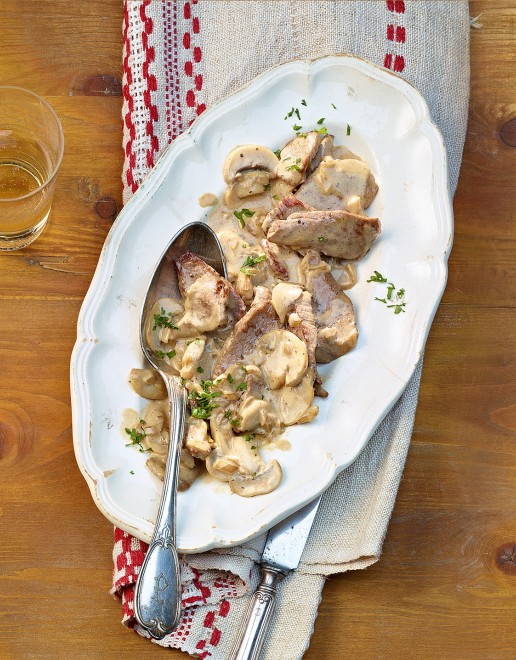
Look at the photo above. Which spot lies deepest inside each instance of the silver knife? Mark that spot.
(282, 553)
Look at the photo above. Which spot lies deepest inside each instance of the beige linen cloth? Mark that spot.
(179, 58)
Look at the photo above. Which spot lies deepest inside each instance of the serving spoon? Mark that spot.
(157, 601)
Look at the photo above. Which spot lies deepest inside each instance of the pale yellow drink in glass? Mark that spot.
(31, 148)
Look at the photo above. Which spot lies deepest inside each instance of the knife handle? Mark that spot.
(251, 634)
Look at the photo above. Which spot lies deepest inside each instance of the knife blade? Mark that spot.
(282, 553)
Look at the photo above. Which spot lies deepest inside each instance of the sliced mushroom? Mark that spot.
(309, 415)
(284, 295)
(244, 287)
(163, 313)
(248, 157)
(258, 483)
(196, 438)
(188, 470)
(219, 466)
(156, 465)
(158, 442)
(345, 274)
(255, 412)
(148, 384)
(282, 357)
(346, 179)
(293, 402)
(156, 417)
(191, 357)
(280, 189)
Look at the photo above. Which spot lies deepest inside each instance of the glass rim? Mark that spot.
(55, 169)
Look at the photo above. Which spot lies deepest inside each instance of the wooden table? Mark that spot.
(445, 586)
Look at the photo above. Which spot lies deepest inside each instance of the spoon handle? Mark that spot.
(157, 600)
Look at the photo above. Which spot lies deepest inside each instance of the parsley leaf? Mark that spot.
(377, 277)
(162, 320)
(250, 262)
(161, 354)
(240, 216)
(136, 439)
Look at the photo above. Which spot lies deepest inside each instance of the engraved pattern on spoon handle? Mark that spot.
(157, 602)
(252, 631)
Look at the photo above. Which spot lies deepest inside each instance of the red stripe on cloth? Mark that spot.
(396, 36)
(151, 84)
(130, 104)
(191, 94)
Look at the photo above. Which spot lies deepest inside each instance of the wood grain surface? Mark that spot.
(445, 585)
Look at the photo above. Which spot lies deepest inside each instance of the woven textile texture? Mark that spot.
(179, 58)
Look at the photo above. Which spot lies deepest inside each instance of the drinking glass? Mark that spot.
(31, 149)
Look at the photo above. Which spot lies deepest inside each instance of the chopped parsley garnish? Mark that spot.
(234, 422)
(131, 472)
(377, 277)
(266, 187)
(275, 197)
(334, 106)
(240, 216)
(303, 102)
(162, 320)
(321, 121)
(277, 153)
(395, 298)
(322, 131)
(297, 127)
(249, 437)
(200, 370)
(320, 238)
(201, 402)
(250, 262)
(136, 439)
(161, 354)
(295, 166)
(290, 113)
(348, 130)
(230, 379)
(241, 387)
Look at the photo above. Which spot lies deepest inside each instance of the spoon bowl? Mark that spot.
(157, 601)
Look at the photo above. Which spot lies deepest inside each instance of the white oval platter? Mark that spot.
(391, 129)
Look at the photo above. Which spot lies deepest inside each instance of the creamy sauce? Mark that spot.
(344, 178)
(270, 384)
(207, 199)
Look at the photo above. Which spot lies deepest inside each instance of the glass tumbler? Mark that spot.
(31, 149)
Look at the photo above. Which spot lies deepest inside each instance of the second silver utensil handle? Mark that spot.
(259, 613)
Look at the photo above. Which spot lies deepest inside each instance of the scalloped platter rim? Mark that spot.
(390, 127)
